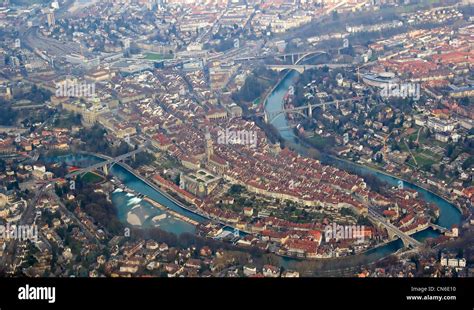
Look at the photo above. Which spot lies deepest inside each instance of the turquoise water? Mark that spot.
(141, 187)
(274, 103)
(449, 214)
(145, 212)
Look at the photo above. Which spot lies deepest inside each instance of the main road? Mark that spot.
(7, 262)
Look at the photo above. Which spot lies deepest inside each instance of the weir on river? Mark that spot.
(126, 202)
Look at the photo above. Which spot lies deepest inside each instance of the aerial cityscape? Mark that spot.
(237, 138)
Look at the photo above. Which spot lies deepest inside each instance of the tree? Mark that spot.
(450, 150)
(236, 189)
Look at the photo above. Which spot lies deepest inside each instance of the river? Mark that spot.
(449, 214)
(135, 211)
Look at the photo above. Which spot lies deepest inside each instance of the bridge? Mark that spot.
(286, 127)
(271, 116)
(392, 229)
(439, 228)
(299, 56)
(106, 164)
(195, 211)
(302, 68)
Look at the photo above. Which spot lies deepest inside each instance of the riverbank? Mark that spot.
(171, 212)
(162, 192)
(140, 184)
(450, 213)
(420, 185)
(275, 103)
(270, 91)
